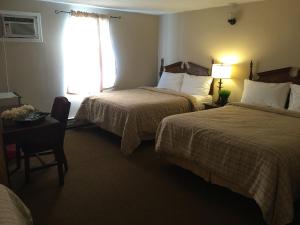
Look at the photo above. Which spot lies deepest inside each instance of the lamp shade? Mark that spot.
(221, 71)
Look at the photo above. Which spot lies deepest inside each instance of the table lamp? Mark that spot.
(221, 71)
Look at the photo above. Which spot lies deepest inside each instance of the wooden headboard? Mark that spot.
(297, 79)
(189, 68)
(282, 75)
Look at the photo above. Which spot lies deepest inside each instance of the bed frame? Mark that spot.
(282, 75)
(272, 76)
(189, 68)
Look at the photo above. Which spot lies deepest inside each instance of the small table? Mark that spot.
(211, 105)
(17, 133)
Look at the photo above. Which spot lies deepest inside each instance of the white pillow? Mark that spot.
(196, 85)
(295, 98)
(171, 81)
(265, 94)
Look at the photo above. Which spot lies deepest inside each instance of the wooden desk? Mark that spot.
(16, 133)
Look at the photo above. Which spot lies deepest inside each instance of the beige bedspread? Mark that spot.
(257, 149)
(134, 114)
(12, 209)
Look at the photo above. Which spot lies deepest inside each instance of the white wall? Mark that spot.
(267, 32)
(35, 70)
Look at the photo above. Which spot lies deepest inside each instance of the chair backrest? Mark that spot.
(60, 111)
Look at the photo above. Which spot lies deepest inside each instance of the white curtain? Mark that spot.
(89, 60)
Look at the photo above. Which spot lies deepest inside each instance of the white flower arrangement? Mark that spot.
(17, 112)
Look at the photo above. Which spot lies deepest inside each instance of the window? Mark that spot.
(89, 61)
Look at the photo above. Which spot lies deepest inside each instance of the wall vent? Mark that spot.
(21, 26)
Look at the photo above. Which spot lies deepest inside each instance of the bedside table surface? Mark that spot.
(211, 105)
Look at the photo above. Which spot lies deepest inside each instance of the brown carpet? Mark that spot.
(104, 187)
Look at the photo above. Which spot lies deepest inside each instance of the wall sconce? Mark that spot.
(233, 14)
(232, 20)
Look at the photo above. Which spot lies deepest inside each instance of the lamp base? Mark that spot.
(220, 88)
(220, 84)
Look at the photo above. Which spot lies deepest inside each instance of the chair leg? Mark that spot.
(60, 174)
(27, 167)
(65, 162)
(60, 159)
(18, 156)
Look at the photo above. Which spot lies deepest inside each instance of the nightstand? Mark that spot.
(211, 105)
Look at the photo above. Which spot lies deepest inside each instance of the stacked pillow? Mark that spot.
(295, 98)
(196, 85)
(182, 82)
(271, 94)
(171, 81)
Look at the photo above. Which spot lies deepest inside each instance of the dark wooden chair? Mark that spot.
(49, 141)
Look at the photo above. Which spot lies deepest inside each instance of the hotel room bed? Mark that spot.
(252, 150)
(12, 209)
(135, 114)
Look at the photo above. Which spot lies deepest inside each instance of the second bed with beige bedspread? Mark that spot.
(257, 149)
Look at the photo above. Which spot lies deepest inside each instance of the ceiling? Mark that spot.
(155, 7)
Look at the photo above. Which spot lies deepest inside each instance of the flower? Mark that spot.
(17, 112)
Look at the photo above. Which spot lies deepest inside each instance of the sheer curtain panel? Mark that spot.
(89, 60)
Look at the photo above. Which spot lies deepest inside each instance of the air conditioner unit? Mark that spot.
(21, 26)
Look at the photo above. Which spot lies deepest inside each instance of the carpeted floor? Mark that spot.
(104, 187)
